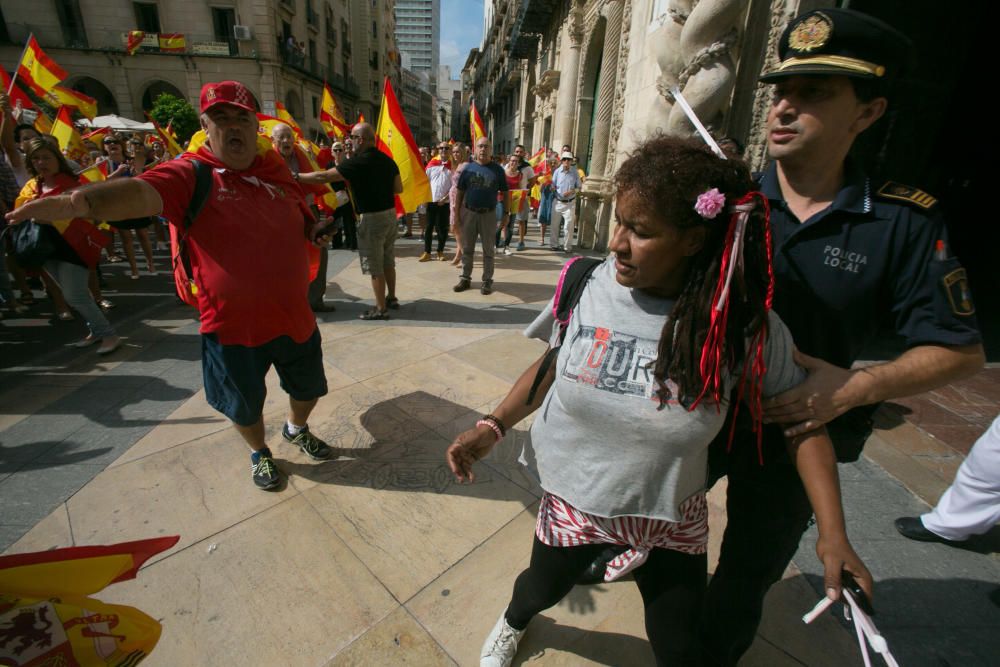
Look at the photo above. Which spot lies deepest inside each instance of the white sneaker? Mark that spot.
(501, 645)
(508, 251)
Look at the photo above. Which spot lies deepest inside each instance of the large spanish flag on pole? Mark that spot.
(330, 116)
(40, 72)
(475, 124)
(393, 137)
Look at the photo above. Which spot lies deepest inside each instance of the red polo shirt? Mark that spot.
(247, 252)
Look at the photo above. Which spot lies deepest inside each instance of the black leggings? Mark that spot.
(437, 218)
(672, 585)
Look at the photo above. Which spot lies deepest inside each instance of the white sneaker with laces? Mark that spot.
(501, 645)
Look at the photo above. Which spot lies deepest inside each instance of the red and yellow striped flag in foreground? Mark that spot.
(475, 125)
(95, 173)
(393, 137)
(37, 70)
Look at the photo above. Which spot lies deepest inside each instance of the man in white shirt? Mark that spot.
(566, 182)
(438, 171)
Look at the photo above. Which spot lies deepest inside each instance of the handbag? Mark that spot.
(31, 243)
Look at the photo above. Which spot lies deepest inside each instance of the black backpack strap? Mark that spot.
(572, 282)
(202, 188)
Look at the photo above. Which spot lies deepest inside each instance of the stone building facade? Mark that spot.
(348, 44)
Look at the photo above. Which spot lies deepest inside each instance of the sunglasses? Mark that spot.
(338, 150)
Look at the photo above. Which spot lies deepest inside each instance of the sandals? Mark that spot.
(374, 314)
(392, 302)
(106, 304)
(27, 299)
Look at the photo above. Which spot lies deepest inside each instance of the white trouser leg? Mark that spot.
(971, 505)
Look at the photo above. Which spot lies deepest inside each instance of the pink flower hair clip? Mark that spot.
(710, 203)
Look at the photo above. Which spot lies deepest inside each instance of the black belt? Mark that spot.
(565, 201)
(481, 210)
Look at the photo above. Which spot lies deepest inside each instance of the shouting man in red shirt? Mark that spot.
(247, 250)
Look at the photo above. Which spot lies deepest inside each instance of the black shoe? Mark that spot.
(310, 445)
(487, 287)
(594, 574)
(911, 527)
(462, 285)
(392, 302)
(323, 307)
(265, 474)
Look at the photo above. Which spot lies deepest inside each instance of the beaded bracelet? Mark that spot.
(499, 424)
(494, 427)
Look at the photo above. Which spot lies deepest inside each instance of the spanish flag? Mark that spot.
(475, 124)
(16, 94)
(537, 161)
(330, 116)
(135, 38)
(64, 132)
(393, 138)
(286, 118)
(40, 72)
(42, 123)
(97, 136)
(172, 42)
(169, 143)
(95, 173)
(60, 96)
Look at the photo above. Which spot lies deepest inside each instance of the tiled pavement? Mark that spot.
(377, 557)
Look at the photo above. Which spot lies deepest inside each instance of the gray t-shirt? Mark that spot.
(598, 440)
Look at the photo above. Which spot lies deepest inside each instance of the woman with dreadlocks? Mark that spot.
(673, 320)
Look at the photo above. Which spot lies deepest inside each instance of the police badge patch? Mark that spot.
(956, 286)
(812, 33)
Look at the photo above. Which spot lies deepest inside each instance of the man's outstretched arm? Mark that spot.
(119, 199)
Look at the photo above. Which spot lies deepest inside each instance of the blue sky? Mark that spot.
(461, 30)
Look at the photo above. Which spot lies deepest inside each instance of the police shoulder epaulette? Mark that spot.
(900, 192)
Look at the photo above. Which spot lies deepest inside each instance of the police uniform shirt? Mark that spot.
(870, 262)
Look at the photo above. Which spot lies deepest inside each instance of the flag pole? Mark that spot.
(13, 78)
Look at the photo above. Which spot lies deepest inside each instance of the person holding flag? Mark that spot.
(375, 181)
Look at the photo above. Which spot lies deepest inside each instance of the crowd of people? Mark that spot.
(34, 166)
(715, 341)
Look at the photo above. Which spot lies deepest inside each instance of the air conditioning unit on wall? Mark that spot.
(242, 32)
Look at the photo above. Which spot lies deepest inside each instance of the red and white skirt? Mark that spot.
(562, 525)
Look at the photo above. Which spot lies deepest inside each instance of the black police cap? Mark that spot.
(840, 41)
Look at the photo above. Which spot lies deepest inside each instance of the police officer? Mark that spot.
(851, 256)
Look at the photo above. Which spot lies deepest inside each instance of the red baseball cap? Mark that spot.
(227, 92)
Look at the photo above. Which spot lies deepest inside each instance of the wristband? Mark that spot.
(493, 427)
(496, 421)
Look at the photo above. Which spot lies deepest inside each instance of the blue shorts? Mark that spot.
(234, 374)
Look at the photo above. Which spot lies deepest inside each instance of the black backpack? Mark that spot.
(572, 281)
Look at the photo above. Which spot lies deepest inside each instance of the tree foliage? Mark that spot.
(168, 108)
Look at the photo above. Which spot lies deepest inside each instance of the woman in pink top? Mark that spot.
(459, 158)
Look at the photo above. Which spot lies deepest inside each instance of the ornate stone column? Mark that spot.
(596, 190)
(697, 59)
(569, 75)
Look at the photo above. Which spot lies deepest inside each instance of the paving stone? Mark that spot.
(31, 494)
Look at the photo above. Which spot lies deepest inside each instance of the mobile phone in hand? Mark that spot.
(849, 583)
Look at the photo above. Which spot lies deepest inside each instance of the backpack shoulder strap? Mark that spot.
(202, 187)
(572, 281)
